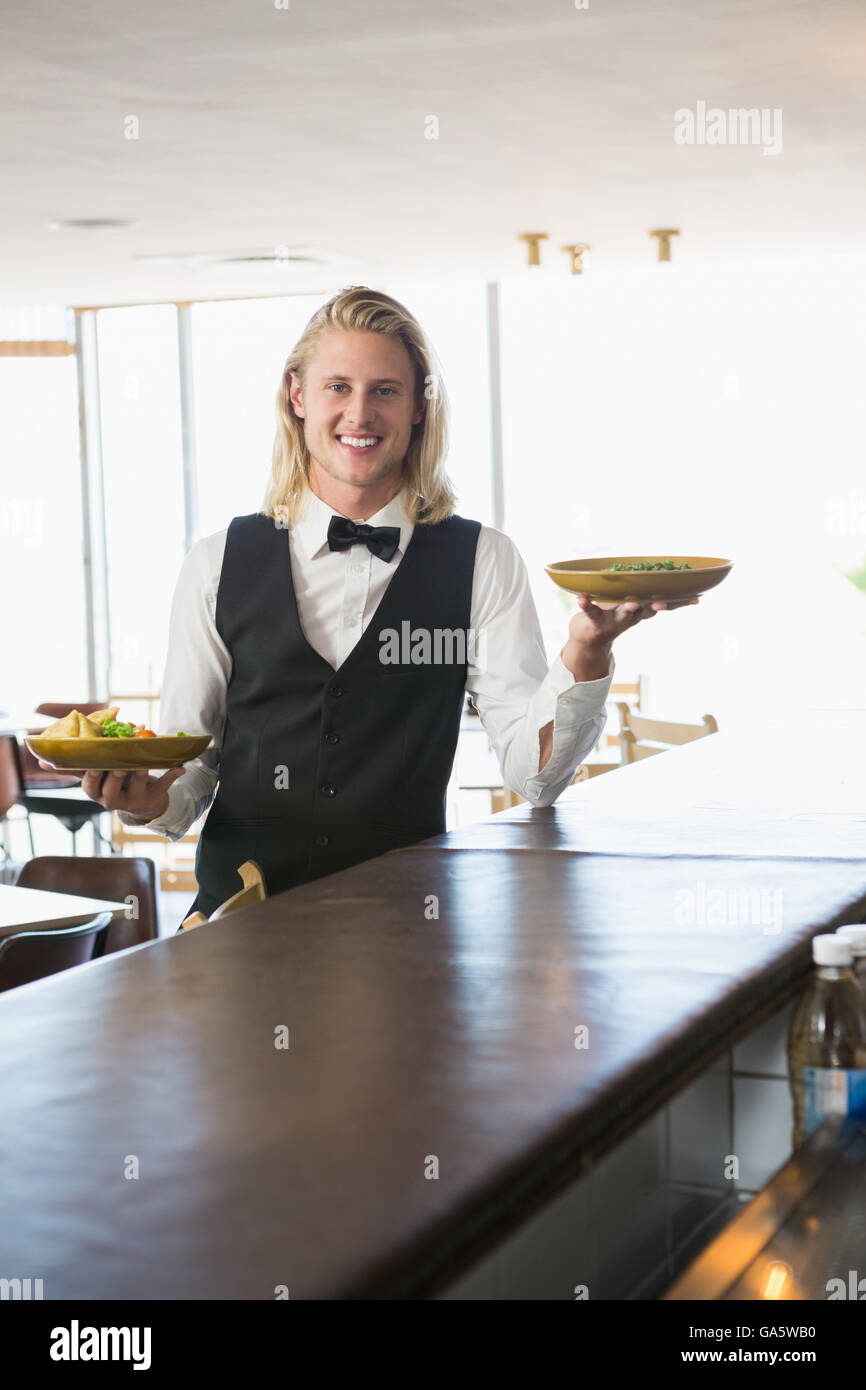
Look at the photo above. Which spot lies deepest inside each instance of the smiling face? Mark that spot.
(358, 405)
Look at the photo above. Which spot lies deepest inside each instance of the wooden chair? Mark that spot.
(637, 694)
(502, 798)
(638, 735)
(176, 873)
(588, 770)
(253, 891)
(177, 870)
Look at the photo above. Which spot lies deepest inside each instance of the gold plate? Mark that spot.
(117, 754)
(595, 578)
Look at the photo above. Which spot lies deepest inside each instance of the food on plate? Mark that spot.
(115, 728)
(102, 716)
(644, 565)
(73, 725)
(103, 723)
(81, 744)
(671, 578)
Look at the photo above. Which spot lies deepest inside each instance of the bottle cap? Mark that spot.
(856, 935)
(832, 950)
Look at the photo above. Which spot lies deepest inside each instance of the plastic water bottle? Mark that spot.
(827, 1040)
(857, 936)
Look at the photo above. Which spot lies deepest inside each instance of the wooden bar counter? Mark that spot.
(359, 1088)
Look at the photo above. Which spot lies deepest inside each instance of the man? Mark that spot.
(307, 638)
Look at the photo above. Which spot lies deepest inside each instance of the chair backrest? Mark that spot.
(637, 694)
(113, 878)
(253, 891)
(640, 737)
(60, 709)
(148, 699)
(34, 776)
(588, 770)
(10, 778)
(30, 955)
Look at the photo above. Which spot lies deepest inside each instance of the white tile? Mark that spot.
(700, 1131)
(606, 1231)
(763, 1118)
(632, 1209)
(764, 1050)
(556, 1250)
(545, 1258)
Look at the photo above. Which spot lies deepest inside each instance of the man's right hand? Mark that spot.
(137, 793)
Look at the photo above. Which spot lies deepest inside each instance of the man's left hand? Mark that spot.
(594, 629)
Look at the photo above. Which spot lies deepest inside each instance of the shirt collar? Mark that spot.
(311, 531)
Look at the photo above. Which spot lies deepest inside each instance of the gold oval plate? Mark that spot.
(595, 577)
(117, 754)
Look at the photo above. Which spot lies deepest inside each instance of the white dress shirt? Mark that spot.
(337, 594)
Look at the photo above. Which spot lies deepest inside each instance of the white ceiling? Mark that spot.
(263, 127)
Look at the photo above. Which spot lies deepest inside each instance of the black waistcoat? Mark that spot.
(321, 769)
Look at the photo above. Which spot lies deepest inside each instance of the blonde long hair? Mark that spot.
(429, 496)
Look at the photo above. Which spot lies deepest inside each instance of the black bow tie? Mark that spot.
(380, 540)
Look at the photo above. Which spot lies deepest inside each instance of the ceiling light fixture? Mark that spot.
(269, 258)
(89, 224)
(664, 235)
(533, 240)
(576, 253)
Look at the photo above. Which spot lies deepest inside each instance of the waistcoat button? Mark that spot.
(327, 789)
(332, 738)
(321, 840)
(335, 690)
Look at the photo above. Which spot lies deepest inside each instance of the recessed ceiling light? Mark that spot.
(89, 224)
(260, 258)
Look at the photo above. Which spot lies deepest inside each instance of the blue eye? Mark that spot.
(336, 383)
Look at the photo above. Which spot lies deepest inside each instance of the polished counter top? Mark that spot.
(431, 1094)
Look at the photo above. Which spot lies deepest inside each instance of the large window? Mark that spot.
(45, 649)
(143, 468)
(714, 410)
(453, 316)
(239, 351)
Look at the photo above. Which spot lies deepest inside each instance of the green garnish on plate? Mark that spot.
(115, 728)
(652, 565)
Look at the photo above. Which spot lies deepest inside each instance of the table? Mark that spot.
(428, 1002)
(33, 909)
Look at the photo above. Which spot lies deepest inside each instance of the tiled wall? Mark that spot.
(651, 1204)
(763, 1112)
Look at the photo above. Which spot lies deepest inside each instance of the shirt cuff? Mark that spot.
(571, 702)
(158, 826)
(172, 824)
